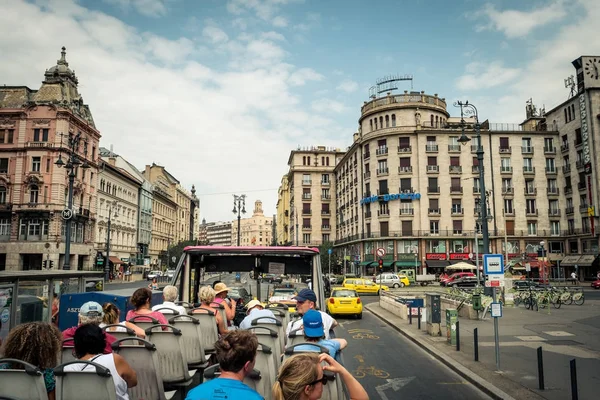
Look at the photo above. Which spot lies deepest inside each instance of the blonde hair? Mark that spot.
(170, 293)
(295, 373)
(111, 314)
(206, 294)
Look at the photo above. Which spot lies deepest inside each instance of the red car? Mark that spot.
(596, 284)
(456, 275)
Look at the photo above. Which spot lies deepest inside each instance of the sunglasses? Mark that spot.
(323, 380)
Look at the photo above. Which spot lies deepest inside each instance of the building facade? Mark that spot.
(183, 223)
(254, 231)
(282, 235)
(312, 196)
(35, 126)
(118, 202)
(217, 233)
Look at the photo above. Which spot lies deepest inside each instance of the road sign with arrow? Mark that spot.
(395, 384)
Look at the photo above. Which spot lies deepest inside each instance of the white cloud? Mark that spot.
(515, 23)
(280, 22)
(348, 86)
(327, 106)
(265, 10)
(303, 75)
(216, 35)
(274, 36)
(227, 128)
(149, 8)
(481, 76)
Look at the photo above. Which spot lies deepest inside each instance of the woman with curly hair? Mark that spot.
(207, 297)
(37, 343)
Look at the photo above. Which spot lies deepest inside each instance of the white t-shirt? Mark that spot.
(107, 361)
(122, 328)
(573, 275)
(297, 324)
(169, 304)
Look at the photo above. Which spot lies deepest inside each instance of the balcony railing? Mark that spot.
(306, 212)
(569, 210)
(306, 183)
(564, 147)
(405, 149)
(325, 212)
(407, 211)
(325, 227)
(383, 171)
(475, 169)
(368, 214)
(531, 212)
(528, 170)
(509, 213)
(455, 169)
(530, 191)
(457, 211)
(476, 190)
(506, 169)
(405, 170)
(431, 148)
(326, 197)
(367, 155)
(381, 151)
(568, 189)
(508, 190)
(434, 211)
(367, 174)
(383, 213)
(474, 148)
(554, 212)
(566, 169)
(306, 227)
(553, 191)
(306, 196)
(526, 149)
(433, 168)
(581, 186)
(549, 150)
(454, 148)
(506, 150)
(325, 183)
(433, 189)
(579, 164)
(456, 189)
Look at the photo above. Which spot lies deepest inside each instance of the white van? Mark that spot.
(390, 280)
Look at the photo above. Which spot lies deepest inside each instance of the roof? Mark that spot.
(255, 250)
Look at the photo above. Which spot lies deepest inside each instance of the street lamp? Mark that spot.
(111, 206)
(73, 162)
(239, 208)
(543, 264)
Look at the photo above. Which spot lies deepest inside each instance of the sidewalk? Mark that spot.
(571, 332)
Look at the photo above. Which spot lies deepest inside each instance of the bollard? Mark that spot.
(457, 336)
(419, 318)
(574, 394)
(476, 343)
(410, 315)
(540, 368)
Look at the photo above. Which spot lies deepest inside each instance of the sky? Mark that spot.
(220, 91)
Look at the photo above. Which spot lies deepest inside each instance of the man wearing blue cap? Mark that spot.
(306, 300)
(314, 332)
(90, 313)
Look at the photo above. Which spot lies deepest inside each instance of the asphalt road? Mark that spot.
(389, 366)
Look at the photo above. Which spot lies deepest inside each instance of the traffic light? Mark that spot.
(380, 264)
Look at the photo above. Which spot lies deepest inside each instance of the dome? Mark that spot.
(61, 70)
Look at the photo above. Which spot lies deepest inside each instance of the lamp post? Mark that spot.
(73, 162)
(239, 208)
(111, 206)
(542, 268)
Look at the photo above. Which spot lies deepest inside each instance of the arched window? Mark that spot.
(34, 192)
(387, 121)
(381, 122)
(436, 121)
(3, 192)
(432, 120)
(393, 120)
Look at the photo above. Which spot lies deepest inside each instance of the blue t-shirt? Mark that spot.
(332, 345)
(223, 388)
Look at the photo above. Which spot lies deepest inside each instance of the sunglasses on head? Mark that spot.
(323, 380)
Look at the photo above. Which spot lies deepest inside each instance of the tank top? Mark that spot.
(107, 361)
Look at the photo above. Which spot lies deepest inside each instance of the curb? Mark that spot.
(454, 365)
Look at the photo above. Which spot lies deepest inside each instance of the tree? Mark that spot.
(335, 260)
(176, 251)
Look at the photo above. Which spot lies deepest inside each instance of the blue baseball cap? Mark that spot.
(313, 324)
(306, 294)
(91, 309)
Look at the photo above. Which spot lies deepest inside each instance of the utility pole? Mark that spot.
(106, 263)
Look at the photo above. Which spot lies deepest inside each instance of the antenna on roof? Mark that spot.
(570, 84)
(388, 84)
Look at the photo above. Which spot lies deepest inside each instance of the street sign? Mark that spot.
(329, 251)
(67, 214)
(496, 309)
(380, 252)
(494, 280)
(493, 264)
(527, 267)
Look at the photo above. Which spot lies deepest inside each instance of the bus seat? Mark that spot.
(331, 391)
(193, 351)
(120, 334)
(296, 336)
(97, 385)
(167, 311)
(208, 328)
(265, 364)
(269, 337)
(144, 321)
(173, 367)
(22, 384)
(277, 325)
(185, 304)
(142, 357)
(221, 309)
(282, 313)
(66, 355)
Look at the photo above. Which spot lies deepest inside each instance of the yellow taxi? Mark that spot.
(365, 286)
(344, 302)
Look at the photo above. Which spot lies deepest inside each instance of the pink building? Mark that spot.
(34, 129)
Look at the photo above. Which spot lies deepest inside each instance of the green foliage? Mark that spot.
(336, 261)
(176, 250)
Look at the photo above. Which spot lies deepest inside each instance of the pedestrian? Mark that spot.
(574, 277)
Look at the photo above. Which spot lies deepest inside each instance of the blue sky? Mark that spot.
(219, 91)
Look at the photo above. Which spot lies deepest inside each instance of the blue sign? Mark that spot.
(393, 196)
(493, 264)
(329, 251)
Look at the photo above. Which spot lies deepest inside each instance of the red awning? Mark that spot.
(116, 260)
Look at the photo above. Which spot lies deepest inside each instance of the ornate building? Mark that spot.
(254, 231)
(282, 231)
(34, 129)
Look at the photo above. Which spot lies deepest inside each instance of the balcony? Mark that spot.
(306, 227)
(551, 171)
(307, 183)
(434, 211)
(509, 213)
(83, 212)
(433, 169)
(6, 206)
(506, 169)
(383, 213)
(433, 190)
(455, 169)
(381, 151)
(325, 212)
(568, 189)
(306, 196)
(407, 211)
(367, 155)
(367, 175)
(552, 191)
(474, 148)
(456, 189)
(549, 150)
(581, 186)
(475, 169)
(325, 183)
(326, 197)
(564, 147)
(528, 169)
(306, 212)
(569, 210)
(476, 190)
(526, 149)
(405, 190)
(506, 150)
(578, 142)
(508, 190)
(553, 212)
(530, 191)
(454, 148)
(532, 212)
(457, 211)
(383, 171)
(431, 148)
(579, 164)
(325, 227)
(404, 149)
(368, 214)
(566, 169)
(405, 170)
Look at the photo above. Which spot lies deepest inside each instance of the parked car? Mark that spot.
(271, 278)
(596, 284)
(365, 286)
(392, 280)
(344, 302)
(525, 285)
(154, 274)
(170, 273)
(465, 281)
(456, 275)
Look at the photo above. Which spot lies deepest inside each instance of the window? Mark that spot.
(504, 144)
(305, 223)
(549, 144)
(384, 229)
(578, 138)
(371, 124)
(476, 185)
(5, 227)
(393, 120)
(550, 165)
(530, 206)
(36, 163)
(306, 238)
(387, 121)
(552, 186)
(405, 163)
(2, 195)
(508, 206)
(505, 164)
(457, 226)
(33, 229)
(431, 161)
(456, 206)
(405, 185)
(33, 194)
(434, 227)
(3, 165)
(532, 228)
(383, 187)
(303, 160)
(507, 185)
(407, 228)
(305, 179)
(404, 142)
(527, 165)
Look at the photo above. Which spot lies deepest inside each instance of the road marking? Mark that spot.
(453, 383)
(359, 330)
(395, 384)
(558, 333)
(362, 370)
(530, 338)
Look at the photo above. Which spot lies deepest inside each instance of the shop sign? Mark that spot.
(436, 256)
(459, 256)
(406, 257)
(389, 197)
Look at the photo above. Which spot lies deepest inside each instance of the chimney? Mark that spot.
(111, 157)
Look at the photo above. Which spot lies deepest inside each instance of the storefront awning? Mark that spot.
(366, 263)
(570, 261)
(586, 260)
(452, 262)
(436, 264)
(116, 260)
(406, 264)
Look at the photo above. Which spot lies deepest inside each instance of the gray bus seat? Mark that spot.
(128, 334)
(265, 364)
(294, 337)
(144, 321)
(193, 350)
(334, 387)
(221, 309)
(142, 357)
(185, 304)
(282, 314)
(214, 371)
(22, 384)
(97, 385)
(209, 333)
(266, 321)
(173, 367)
(68, 347)
(269, 337)
(167, 311)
